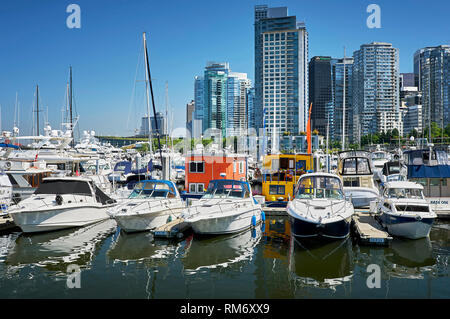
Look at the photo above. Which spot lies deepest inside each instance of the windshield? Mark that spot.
(412, 193)
(225, 188)
(152, 190)
(320, 187)
(62, 187)
(396, 177)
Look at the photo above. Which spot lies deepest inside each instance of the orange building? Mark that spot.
(202, 167)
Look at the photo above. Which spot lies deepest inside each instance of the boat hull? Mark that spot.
(407, 226)
(225, 224)
(59, 218)
(302, 228)
(146, 221)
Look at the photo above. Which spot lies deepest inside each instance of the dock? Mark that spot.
(6, 223)
(274, 211)
(367, 230)
(173, 229)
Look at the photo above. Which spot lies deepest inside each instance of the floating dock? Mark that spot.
(6, 223)
(368, 231)
(274, 211)
(173, 229)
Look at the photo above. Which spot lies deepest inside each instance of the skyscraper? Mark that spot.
(281, 71)
(236, 117)
(199, 97)
(432, 76)
(376, 88)
(190, 108)
(320, 92)
(338, 86)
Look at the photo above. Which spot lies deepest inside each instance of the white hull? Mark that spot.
(146, 221)
(412, 230)
(59, 218)
(225, 224)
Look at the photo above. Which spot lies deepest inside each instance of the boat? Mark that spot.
(404, 211)
(5, 194)
(430, 168)
(356, 170)
(280, 173)
(62, 202)
(379, 158)
(320, 209)
(151, 204)
(227, 207)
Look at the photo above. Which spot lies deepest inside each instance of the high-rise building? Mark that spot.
(432, 76)
(320, 92)
(342, 69)
(190, 108)
(199, 97)
(251, 116)
(376, 88)
(236, 117)
(281, 71)
(158, 125)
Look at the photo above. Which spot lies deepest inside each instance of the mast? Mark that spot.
(326, 152)
(37, 110)
(70, 105)
(149, 77)
(343, 107)
(167, 112)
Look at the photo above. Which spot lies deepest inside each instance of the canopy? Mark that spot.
(425, 171)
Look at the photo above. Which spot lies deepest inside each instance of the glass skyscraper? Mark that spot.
(281, 71)
(320, 93)
(432, 76)
(376, 88)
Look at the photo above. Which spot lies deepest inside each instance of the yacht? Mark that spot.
(62, 202)
(151, 204)
(319, 208)
(227, 207)
(357, 173)
(5, 193)
(404, 211)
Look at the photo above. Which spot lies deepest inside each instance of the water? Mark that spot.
(260, 263)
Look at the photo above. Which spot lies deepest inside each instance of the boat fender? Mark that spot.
(169, 219)
(418, 217)
(253, 220)
(263, 216)
(59, 199)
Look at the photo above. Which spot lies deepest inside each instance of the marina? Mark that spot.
(322, 177)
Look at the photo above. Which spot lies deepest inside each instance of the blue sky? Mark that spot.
(36, 47)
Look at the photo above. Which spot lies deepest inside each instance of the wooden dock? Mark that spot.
(368, 231)
(173, 229)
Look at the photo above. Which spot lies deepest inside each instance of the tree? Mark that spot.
(315, 132)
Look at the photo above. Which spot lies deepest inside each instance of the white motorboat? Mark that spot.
(5, 193)
(227, 207)
(356, 170)
(320, 208)
(404, 211)
(62, 202)
(151, 204)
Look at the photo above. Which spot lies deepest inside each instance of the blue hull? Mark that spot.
(303, 229)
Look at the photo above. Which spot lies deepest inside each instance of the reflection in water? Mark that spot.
(54, 250)
(141, 246)
(324, 265)
(220, 251)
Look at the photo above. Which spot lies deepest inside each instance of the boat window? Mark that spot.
(412, 208)
(363, 166)
(62, 187)
(225, 188)
(276, 189)
(349, 167)
(351, 182)
(413, 193)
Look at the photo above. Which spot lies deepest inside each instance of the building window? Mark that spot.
(197, 167)
(241, 167)
(196, 188)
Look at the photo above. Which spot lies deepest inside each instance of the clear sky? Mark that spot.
(36, 47)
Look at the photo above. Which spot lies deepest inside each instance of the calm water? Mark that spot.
(261, 263)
